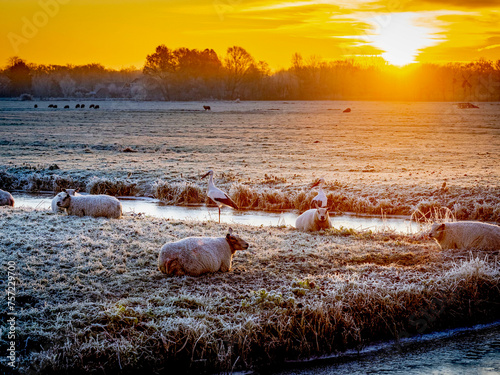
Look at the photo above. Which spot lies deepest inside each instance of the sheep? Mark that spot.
(90, 205)
(314, 220)
(198, 255)
(6, 198)
(466, 235)
(58, 197)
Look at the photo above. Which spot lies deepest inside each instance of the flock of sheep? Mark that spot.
(95, 106)
(198, 255)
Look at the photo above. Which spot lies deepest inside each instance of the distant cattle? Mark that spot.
(66, 106)
(77, 106)
(96, 106)
(82, 106)
(206, 107)
(91, 106)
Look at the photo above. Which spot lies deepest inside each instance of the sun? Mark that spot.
(401, 38)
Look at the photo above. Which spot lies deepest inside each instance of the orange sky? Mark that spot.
(121, 33)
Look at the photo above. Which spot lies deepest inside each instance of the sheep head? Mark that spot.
(322, 214)
(437, 231)
(235, 242)
(64, 199)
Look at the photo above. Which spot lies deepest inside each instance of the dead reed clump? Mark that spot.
(177, 192)
(114, 187)
(244, 196)
(431, 211)
(7, 181)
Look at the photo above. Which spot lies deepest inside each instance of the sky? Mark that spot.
(120, 34)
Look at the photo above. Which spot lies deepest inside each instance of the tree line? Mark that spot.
(192, 74)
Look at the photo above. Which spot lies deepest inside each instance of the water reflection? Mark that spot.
(455, 352)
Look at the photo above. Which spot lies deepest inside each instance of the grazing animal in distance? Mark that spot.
(66, 106)
(198, 255)
(90, 205)
(58, 197)
(466, 235)
(82, 106)
(6, 198)
(347, 110)
(217, 195)
(206, 107)
(36, 105)
(91, 106)
(54, 106)
(51, 105)
(320, 200)
(96, 106)
(314, 220)
(77, 106)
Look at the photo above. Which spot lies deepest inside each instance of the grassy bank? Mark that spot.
(90, 297)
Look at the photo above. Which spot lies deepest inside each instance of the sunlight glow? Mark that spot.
(402, 40)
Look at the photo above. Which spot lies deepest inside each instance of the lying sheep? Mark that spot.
(90, 205)
(197, 255)
(6, 198)
(55, 208)
(465, 235)
(314, 220)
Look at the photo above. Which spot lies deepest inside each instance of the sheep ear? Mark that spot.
(77, 190)
(441, 227)
(64, 190)
(315, 204)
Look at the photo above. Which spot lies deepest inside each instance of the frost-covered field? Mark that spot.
(393, 157)
(89, 296)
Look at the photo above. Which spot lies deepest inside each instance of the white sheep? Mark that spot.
(197, 255)
(6, 198)
(55, 209)
(466, 235)
(90, 205)
(314, 220)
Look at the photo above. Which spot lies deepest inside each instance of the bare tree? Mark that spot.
(237, 64)
(67, 86)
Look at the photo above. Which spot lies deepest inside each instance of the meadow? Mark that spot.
(381, 157)
(91, 299)
(89, 296)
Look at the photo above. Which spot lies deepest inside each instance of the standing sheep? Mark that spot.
(90, 205)
(6, 198)
(314, 220)
(465, 235)
(55, 208)
(197, 255)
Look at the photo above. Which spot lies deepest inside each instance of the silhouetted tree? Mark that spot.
(160, 67)
(19, 74)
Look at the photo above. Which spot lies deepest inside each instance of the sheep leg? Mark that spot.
(219, 215)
